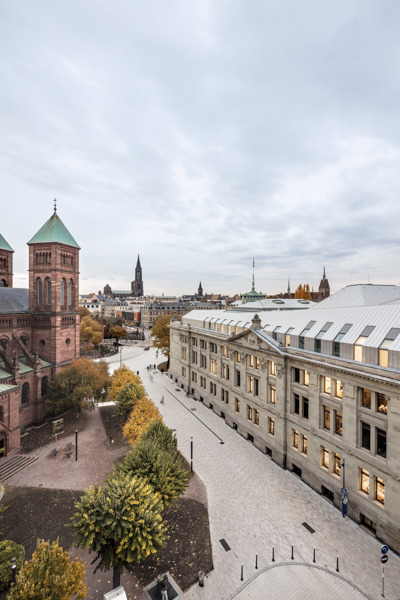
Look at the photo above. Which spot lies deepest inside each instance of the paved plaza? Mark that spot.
(255, 505)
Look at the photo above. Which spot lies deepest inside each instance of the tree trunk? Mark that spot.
(116, 577)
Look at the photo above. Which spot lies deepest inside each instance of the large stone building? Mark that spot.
(316, 390)
(136, 290)
(39, 327)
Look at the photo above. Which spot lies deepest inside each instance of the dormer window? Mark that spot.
(361, 341)
(385, 345)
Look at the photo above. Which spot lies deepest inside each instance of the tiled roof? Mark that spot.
(54, 230)
(13, 300)
(4, 245)
(5, 388)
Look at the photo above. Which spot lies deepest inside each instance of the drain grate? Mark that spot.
(177, 389)
(225, 545)
(193, 409)
(308, 527)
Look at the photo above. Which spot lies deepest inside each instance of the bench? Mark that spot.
(55, 452)
(68, 454)
(69, 446)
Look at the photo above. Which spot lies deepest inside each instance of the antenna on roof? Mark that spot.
(55, 205)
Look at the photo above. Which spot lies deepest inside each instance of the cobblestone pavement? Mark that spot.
(255, 505)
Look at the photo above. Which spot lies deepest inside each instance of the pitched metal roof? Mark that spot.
(13, 300)
(4, 245)
(5, 388)
(361, 295)
(54, 230)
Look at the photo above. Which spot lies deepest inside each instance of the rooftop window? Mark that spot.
(360, 342)
(385, 345)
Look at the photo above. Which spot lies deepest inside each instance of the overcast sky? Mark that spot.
(201, 133)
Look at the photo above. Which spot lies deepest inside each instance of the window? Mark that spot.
(306, 378)
(256, 386)
(237, 378)
(69, 293)
(364, 481)
(327, 386)
(338, 339)
(256, 417)
(360, 342)
(48, 291)
(257, 362)
(62, 292)
(325, 457)
(183, 371)
(40, 291)
(317, 345)
(295, 439)
(384, 347)
(338, 422)
(272, 394)
(238, 358)
(25, 393)
(287, 336)
(225, 371)
(272, 368)
(305, 408)
(379, 490)
(366, 436)
(336, 464)
(44, 386)
(304, 444)
(183, 353)
(296, 404)
(213, 366)
(237, 404)
(203, 361)
(249, 413)
(203, 382)
(251, 361)
(194, 357)
(194, 341)
(301, 342)
(213, 348)
(296, 375)
(308, 327)
(366, 398)
(327, 418)
(224, 396)
(213, 388)
(271, 426)
(249, 384)
(194, 377)
(381, 443)
(338, 389)
(1, 414)
(203, 345)
(336, 349)
(184, 338)
(381, 403)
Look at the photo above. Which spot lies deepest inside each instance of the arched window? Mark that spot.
(45, 386)
(1, 414)
(48, 291)
(24, 340)
(39, 292)
(70, 292)
(4, 344)
(25, 393)
(2, 283)
(62, 292)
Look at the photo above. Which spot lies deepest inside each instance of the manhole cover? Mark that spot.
(225, 545)
(308, 527)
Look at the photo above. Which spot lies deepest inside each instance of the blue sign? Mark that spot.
(344, 502)
(384, 549)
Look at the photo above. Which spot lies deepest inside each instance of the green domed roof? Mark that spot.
(54, 230)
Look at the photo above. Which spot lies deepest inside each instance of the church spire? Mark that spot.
(253, 289)
(288, 286)
(138, 265)
(324, 275)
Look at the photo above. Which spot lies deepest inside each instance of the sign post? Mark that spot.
(384, 560)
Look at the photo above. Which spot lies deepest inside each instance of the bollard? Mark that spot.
(201, 578)
(241, 574)
(13, 570)
(256, 561)
(273, 554)
(313, 556)
(292, 552)
(337, 564)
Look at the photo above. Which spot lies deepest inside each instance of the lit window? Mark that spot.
(251, 361)
(360, 342)
(238, 357)
(364, 481)
(304, 444)
(325, 457)
(338, 422)
(249, 413)
(249, 384)
(336, 464)
(366, 398)
(237, 404)
(338, 389)
(381, 403)
(257, 365)
(306, 378)
(327, 385)
(256, 417)
(327, 417)
(213, 366)
(384, 347)
(295, 439)
(272, 394)
(272, 368)
(380, 490)
(271, 426)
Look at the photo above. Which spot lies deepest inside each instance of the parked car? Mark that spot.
(147, 348)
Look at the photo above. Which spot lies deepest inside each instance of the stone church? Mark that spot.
(39, 327)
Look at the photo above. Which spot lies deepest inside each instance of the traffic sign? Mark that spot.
(384, 549)
(384, 559)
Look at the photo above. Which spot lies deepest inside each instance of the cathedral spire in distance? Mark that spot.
(137, 284)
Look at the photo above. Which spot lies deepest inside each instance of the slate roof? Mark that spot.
(13, 300)
(54, 230)
(4, 245)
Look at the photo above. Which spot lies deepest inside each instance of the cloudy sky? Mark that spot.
(202, 133)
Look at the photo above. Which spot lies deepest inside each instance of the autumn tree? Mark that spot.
(160, 335)
(78, 386)
(120, 522)
(121, 378)
(128, 397)
(299, 293)
(303, 292)
(50, 574)
(142, 414)
(84, 312)
(117, 332)
(91, 331)
(161, 468)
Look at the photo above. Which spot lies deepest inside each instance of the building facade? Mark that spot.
(317, 390)
(39, 328)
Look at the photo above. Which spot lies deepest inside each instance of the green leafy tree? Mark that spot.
(128, 397)
(50, 574)
(160, 468)
(160, 335)
(8, 551)
(120, 522)
(78, 386)
(162, 435)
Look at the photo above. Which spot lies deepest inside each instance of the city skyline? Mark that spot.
(202, 135)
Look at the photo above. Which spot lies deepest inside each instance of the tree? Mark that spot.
(160, 335)
(91, 331)
(303, 292)
(142, 414)
(50, 574)
(117, 332)
(78, 386)
(84, 312)
(162, 435)
(121, 522)
(160, 468)
(299, 293)
(122, 377)
(128, 397)
(8, 551)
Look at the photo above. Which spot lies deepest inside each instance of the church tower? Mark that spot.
(324, 289)
(137, 285)
(200, 290)
(54, 292)
(6, 263)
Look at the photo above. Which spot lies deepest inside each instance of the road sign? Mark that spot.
(384, 549)
(384, 559)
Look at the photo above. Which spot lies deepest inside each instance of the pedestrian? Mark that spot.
(162, 399)
(164, 587)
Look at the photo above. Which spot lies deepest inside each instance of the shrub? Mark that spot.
(162, 435)
(8, 551)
